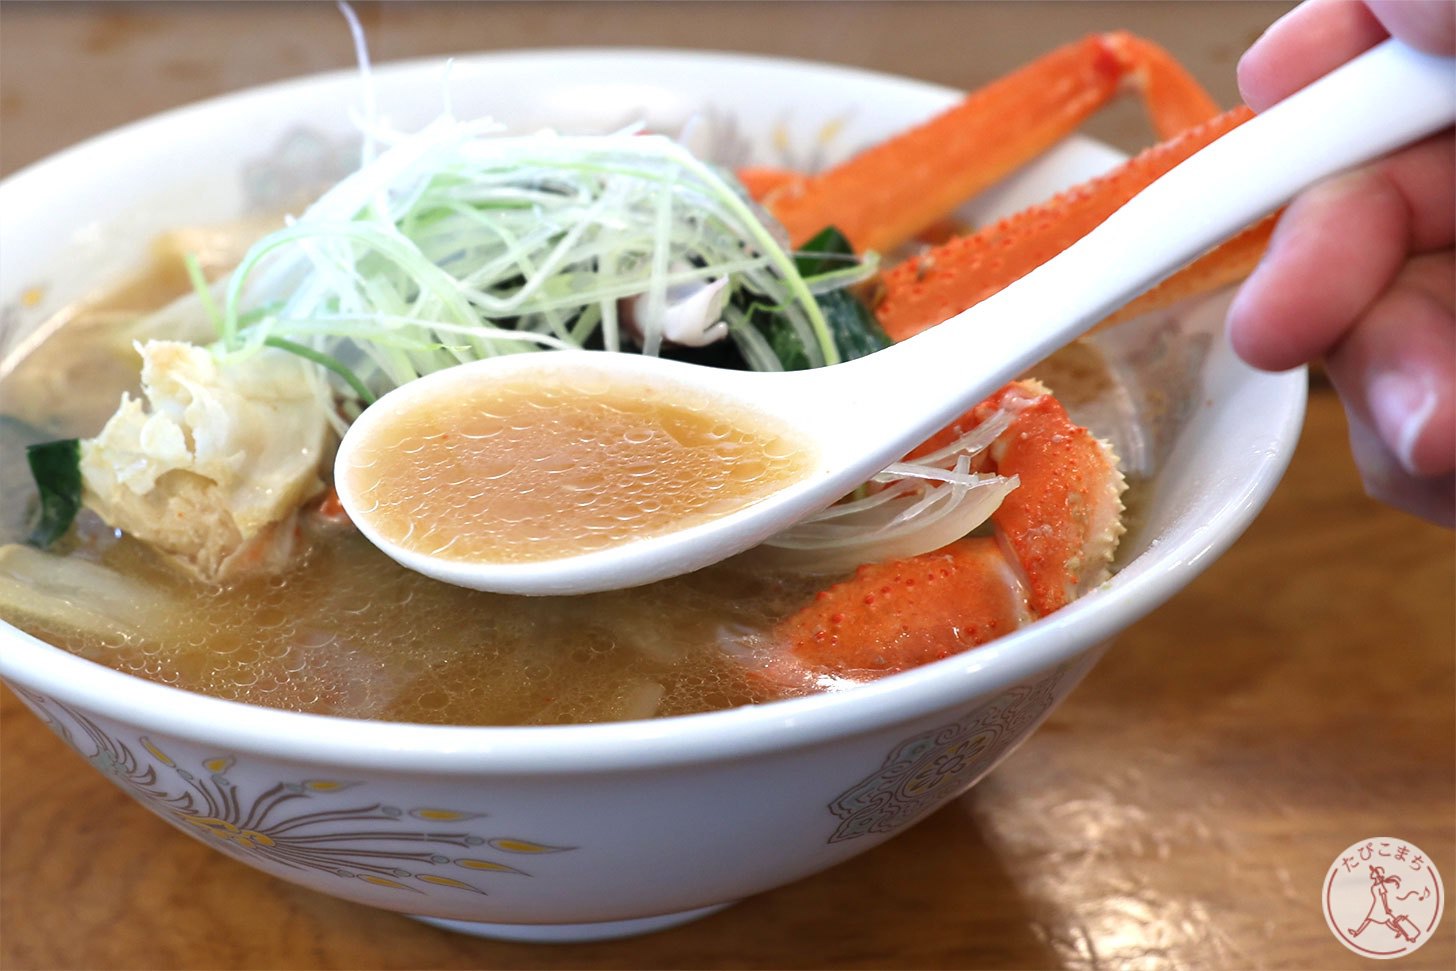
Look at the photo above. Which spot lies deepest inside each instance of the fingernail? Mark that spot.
(1402, 405)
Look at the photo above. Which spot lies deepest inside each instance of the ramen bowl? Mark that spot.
(595, 831)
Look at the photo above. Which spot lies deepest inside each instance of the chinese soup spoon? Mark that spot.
(830, 429)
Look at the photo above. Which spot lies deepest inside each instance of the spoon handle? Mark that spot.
(1387, 98)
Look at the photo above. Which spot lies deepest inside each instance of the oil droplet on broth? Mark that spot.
(539, 467)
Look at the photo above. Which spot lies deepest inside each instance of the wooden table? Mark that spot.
(1181, 810)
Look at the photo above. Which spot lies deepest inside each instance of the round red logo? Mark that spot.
(1383, 897)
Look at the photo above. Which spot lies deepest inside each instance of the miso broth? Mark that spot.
(535, 468)
(348, 632)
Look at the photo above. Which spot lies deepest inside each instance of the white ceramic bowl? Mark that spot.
(586, 831)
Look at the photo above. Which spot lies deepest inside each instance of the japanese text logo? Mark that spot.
(1383, 897)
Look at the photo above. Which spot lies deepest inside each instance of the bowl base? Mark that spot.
(604, 930)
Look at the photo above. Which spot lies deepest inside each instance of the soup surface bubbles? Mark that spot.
(538, 467)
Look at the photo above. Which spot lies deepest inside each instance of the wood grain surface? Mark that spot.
(1180, 810)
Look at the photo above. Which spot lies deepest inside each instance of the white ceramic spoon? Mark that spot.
(862, 415)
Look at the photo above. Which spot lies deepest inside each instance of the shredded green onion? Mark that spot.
(323, 360)
(204, 293)
(457, 244)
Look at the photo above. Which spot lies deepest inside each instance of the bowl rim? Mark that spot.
(463, 60)
(951, 683)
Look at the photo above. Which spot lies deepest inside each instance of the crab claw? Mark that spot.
(1055, 535)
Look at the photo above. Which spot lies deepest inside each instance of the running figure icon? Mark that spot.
(1380, 912)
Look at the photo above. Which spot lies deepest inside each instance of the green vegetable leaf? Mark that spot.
(783, 340)
(853, 328)
(56, 468)
(828, 251)
(856, 332)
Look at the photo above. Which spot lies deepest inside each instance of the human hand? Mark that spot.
(1360, 270)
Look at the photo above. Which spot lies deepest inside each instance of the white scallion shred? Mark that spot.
(911, 508)
(457, 243)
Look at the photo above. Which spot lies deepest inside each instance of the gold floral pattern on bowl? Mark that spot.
(294, 824)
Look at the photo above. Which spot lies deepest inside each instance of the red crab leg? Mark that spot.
(943, 281)
(1064, 520)
(1055, 536)
(897, 615)
(884, 196)
(762, 181)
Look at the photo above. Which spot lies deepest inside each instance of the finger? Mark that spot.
(1337, 248)
(1433, 274)
(1432, 499)
(1396, 369)
(1425, 177)
(1306, 43)
(1429, 26)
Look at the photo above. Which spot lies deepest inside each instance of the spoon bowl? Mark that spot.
(854, 419)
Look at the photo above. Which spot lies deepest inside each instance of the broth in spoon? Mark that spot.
(536, 467)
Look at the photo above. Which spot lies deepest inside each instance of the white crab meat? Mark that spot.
(213, 465)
